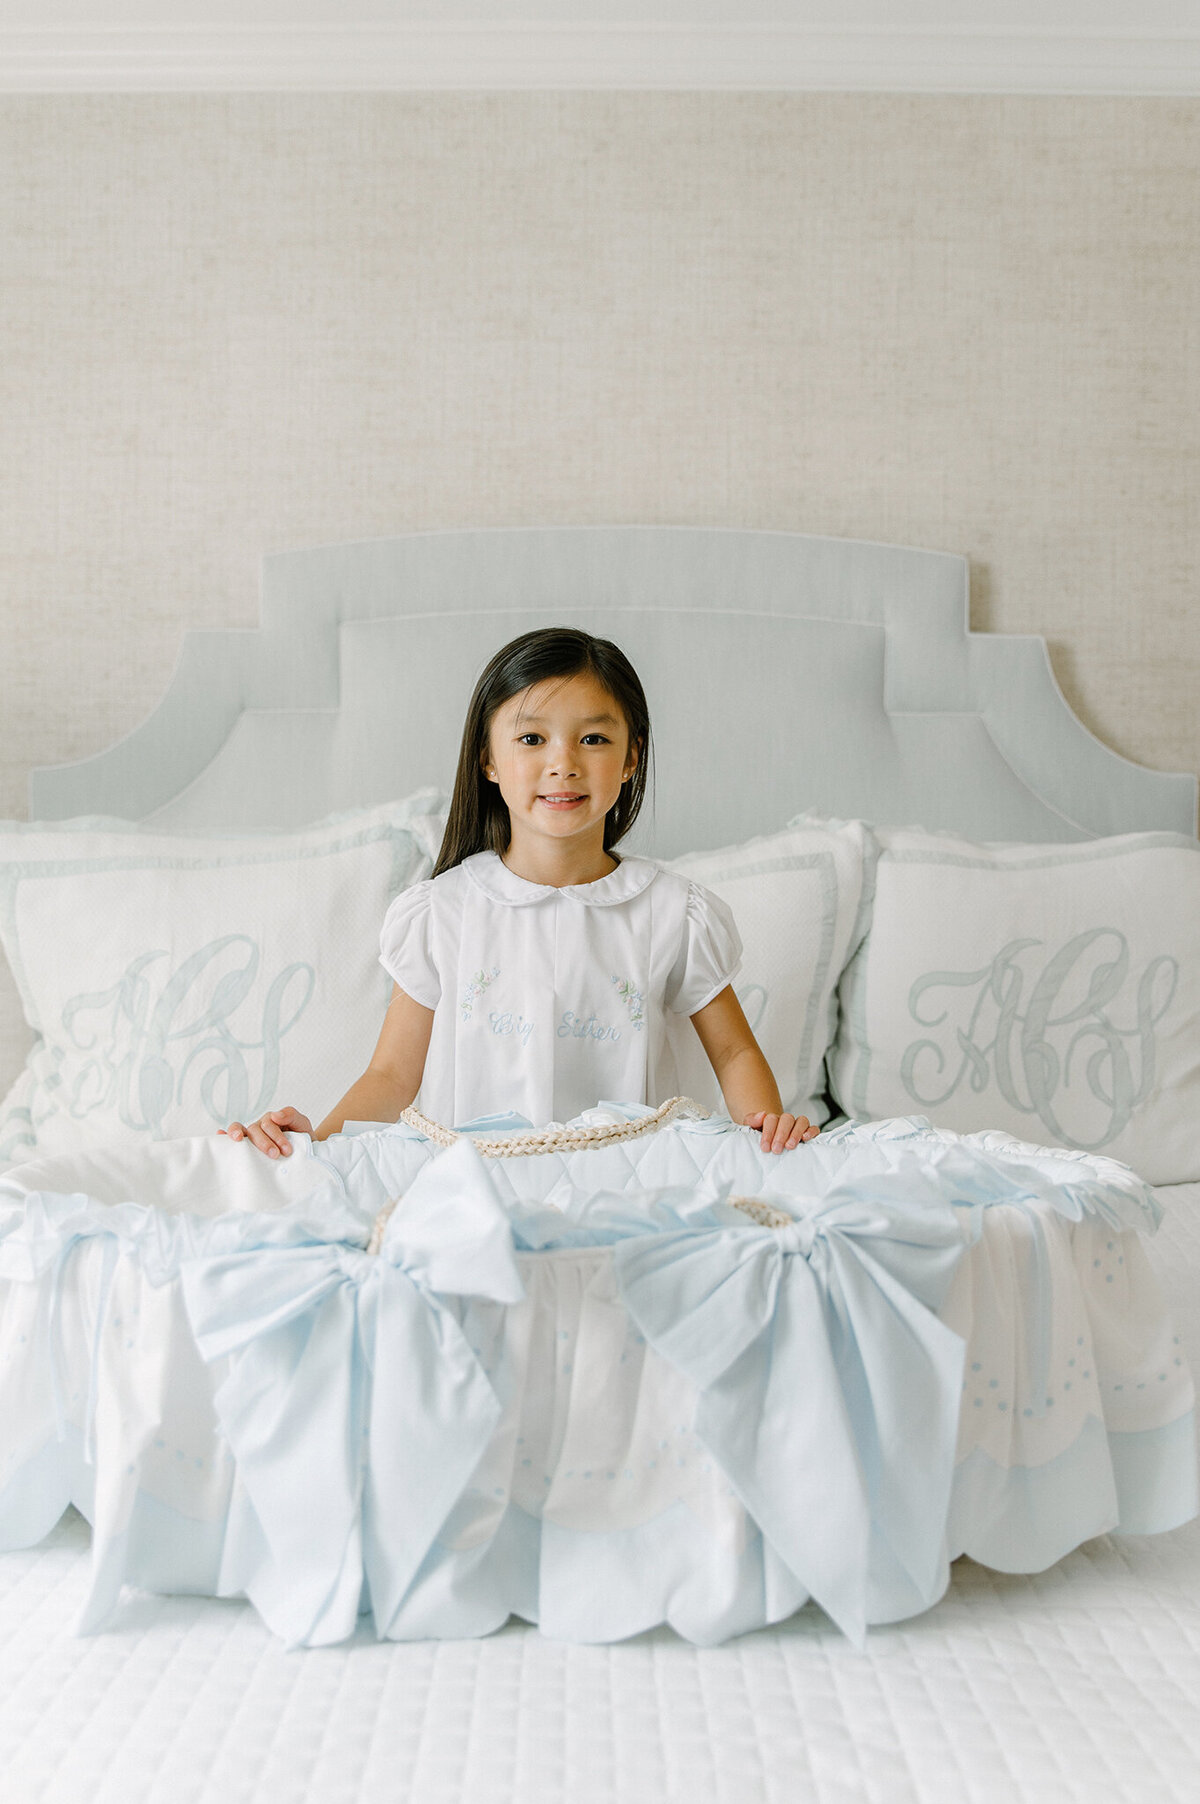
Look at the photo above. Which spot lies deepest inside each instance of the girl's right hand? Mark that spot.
(269, 1133)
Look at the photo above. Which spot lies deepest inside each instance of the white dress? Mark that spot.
(548, 1000)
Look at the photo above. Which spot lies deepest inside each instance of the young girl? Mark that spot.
(534, 970)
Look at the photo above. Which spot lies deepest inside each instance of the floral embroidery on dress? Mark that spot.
(633, 999)
(475, 989)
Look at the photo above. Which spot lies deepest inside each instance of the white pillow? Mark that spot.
(175, 982)
(17, 1137)
(1053, 991)
(797, 898)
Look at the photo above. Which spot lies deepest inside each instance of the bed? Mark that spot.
(843, 677)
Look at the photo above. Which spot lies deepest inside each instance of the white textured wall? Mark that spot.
(229, 324)
(233, 324)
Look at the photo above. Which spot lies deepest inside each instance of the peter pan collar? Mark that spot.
(489, 873)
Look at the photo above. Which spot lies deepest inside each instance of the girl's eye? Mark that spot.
(587, 739)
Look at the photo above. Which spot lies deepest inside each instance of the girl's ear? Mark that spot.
(632, 758)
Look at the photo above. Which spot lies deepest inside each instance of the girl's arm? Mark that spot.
(751, 1093)
(386, 1087)
(393, 1077)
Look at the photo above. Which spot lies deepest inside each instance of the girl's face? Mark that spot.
(559, 752)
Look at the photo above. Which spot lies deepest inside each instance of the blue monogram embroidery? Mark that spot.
(133, 1034)
(576, 1027)
(1020, 1043)
(503, 1021)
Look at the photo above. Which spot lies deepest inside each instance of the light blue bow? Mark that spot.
(355, 1411)
(830, 1392)
(44, 1239)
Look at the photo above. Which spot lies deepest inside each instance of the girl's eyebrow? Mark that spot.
(592, 720)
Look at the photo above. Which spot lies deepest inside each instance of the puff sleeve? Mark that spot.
(405, 944)
(710, 953)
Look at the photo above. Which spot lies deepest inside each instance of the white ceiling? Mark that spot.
(1084, 46)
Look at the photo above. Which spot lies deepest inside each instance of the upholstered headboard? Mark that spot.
(782, 671)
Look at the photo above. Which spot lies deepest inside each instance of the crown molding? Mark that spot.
(529, 55)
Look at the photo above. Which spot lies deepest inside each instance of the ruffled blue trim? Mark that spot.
(1156, 1478)
(1026, 1518)
(37, 1494)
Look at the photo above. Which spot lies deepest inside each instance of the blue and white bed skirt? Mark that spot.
(669, 1380)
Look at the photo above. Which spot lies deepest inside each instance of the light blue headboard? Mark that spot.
(782, 671)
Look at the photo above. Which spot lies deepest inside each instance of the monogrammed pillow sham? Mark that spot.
(797, 898)
(1052, 990)
(176, 981)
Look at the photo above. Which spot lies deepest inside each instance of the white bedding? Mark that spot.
(628, 1402)
(1078, 1683)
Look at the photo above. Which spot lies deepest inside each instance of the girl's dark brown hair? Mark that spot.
(478, 819)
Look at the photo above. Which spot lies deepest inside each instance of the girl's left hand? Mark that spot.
(780, 1133)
